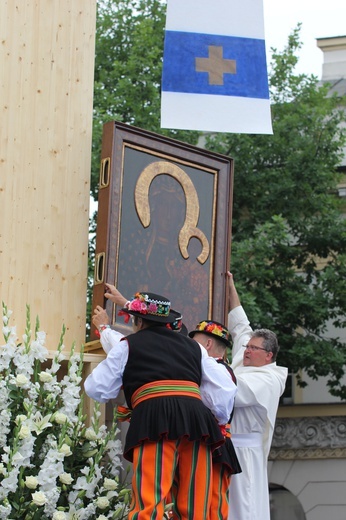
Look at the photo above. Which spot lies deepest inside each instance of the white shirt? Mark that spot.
(105, 382)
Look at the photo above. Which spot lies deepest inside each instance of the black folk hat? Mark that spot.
(150, 306)
(214, 329)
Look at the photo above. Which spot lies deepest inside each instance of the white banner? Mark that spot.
(214, 67)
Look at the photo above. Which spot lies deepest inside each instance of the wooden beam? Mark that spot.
(47, 59)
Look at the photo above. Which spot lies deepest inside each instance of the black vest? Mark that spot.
(159, 353)
(155, 354)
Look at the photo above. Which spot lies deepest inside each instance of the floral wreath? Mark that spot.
(216, 329)
(143, 304)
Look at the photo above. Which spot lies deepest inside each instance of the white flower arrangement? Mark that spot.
(52, 466)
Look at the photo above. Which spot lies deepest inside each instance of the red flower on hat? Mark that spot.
(137, 306)
(213, 328)
(152, 308)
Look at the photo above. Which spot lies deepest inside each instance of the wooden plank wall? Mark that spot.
(46, 93)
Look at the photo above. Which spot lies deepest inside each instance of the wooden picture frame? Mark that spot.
(164, 223)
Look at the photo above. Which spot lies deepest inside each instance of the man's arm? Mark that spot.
(234, 300)
(101, 321)
(105, 381)
(238, 323)
(217, 388)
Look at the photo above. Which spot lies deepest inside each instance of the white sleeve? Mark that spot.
(255, 387)
(106, 380)
(239, 327)
(217, 388)
(109, 338)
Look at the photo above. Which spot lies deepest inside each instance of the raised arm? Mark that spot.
(234, 300)
(238, 324)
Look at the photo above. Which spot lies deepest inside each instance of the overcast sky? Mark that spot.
(319, 18)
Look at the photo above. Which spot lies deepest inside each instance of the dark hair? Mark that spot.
(148, 323)
(270, 340)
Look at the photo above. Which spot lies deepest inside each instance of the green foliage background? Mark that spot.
(289, 234)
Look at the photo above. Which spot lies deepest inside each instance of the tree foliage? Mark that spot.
(289, 238)
(128, 64)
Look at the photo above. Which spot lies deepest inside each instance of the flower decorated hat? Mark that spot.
(149, 306)
(214, 329)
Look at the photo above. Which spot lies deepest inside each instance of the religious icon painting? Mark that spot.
(164, 223)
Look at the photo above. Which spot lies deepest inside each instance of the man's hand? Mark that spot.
(234, 300)
(114, 295)
(100, 317)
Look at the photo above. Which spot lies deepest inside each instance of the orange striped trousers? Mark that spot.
(221, 480)
(220, 492)
(156, 464)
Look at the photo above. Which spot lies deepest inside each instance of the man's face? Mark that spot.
(255, 355)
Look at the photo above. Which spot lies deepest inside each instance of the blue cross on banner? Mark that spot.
(190, 60)
(214, 68)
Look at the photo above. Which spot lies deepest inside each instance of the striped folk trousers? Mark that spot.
(220, 492)
(156, 465)
(219, 505)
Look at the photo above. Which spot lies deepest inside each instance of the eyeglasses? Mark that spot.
(253, 348)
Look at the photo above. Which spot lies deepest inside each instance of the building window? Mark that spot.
(342, 191)
(284, 505)
(287, 396)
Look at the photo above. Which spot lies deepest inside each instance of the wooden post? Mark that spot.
(47, 62)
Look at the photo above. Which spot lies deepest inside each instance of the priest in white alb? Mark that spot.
(260, 383)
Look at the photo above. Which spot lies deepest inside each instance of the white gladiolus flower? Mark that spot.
(45, 377)
(31, 482)
(17, 459)
(61, 356)
(39, 498)
(9, 484)
(66, 478)
(102, 502)
(50, 470)
(6, 330)
(5, 421)
(38, 348)
(5, 511)
(21, 380)
(38, 409)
